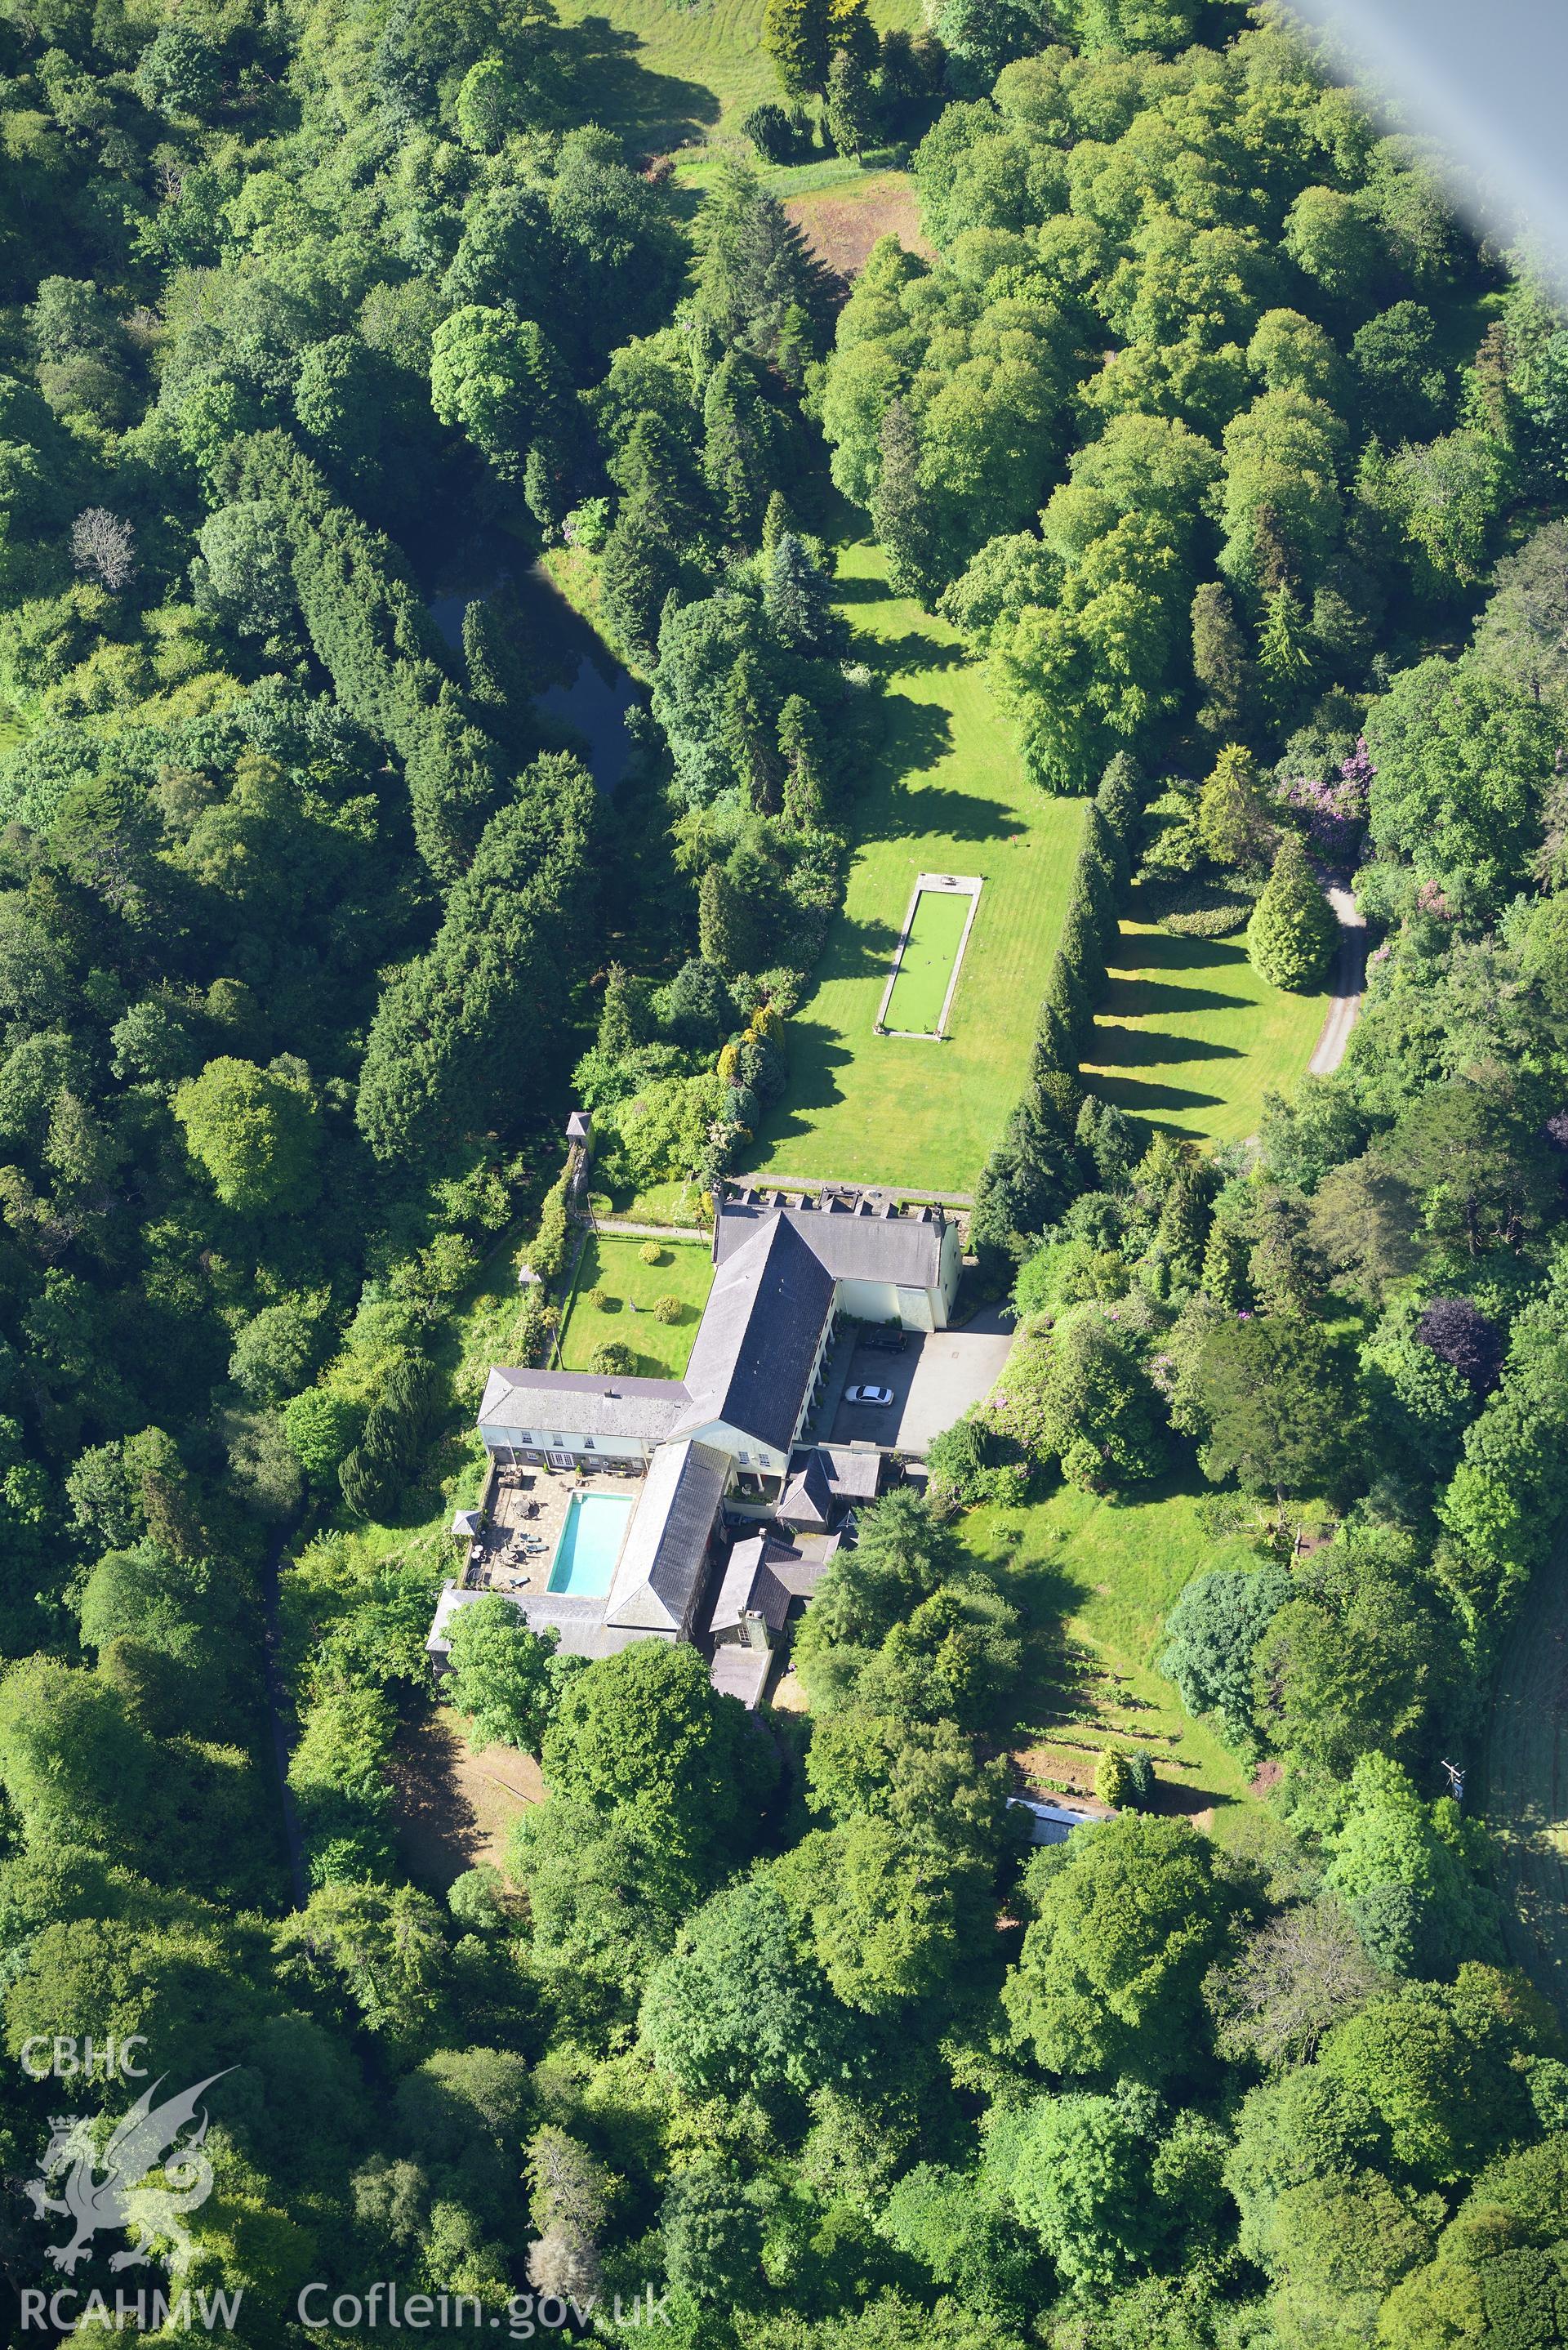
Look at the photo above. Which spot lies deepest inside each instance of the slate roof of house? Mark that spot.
(762, 1576)
(579, 1624)
(808, 1499)
(854, 1238)
(664, 1558)
(801, 1566)
(750, 1587)
(741, 1671)
(585, 1403)
(757, 1343)
(852, 1476)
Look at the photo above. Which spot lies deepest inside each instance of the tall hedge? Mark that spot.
(1038, 1167)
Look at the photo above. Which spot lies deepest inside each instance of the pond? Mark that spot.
(575, 679)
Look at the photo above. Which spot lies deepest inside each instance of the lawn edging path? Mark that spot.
(947, 793)
(1349, 982)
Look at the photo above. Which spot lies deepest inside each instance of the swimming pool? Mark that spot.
(589, 1544)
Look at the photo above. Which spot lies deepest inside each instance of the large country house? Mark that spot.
(664, 1473)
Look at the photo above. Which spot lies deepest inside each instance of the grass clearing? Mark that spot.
(454, 1804)
(945, 794)
(612, 1262)
(665, 76)
(1104, 1576)
(926, 966)
(1188, 1037)
(842, 219)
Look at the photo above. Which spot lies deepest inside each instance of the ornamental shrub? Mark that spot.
(1292, 931)
(650, 1252)
(667, 1309)
(612, 1360)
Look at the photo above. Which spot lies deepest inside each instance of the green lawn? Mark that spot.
(927, 964)
(1190, 1036)
(612, 1264)
(947, 794)
(1098, 1579)
(665, 75)
(679, 1202)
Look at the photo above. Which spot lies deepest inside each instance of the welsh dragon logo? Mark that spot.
(118, 2185)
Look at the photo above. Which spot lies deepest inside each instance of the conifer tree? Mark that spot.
(1224, 1276)
(1284, 654)
(900, 511)
(542, 475)
(794, 596)
(802, 750)
(1184, 1224)
(851, 104)
(720, 923)
(744, 443)
(1219, 662)
(748, 740)
(1109, 1136)
(851, 34)
(1233, 822)
(1292, 931)
(1119, 801)
(638, 571)
(775, 522)
(617, 1035)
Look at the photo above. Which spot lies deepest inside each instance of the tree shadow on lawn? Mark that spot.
(1140, 1048)
(915, 735)
(932, 812)
(855, 951)
(859, 590)
(1141, 999)
(814, 1056)
(1156, 951)
(659, 109)
(1137, 1095)
(913, 653)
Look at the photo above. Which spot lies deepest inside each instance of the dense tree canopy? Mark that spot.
(1239, 468)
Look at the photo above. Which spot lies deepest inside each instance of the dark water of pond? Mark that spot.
(576, 681)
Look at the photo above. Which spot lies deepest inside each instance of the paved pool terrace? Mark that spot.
(518, 1540)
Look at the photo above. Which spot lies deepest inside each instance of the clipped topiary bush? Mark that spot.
(602, 1301)
(612, 1360)
(1114, 1779)
(667, 1309)
(650, 1252)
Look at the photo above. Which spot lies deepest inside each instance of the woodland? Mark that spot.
(1242, 470)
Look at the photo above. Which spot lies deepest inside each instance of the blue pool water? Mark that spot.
(589, 1544)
